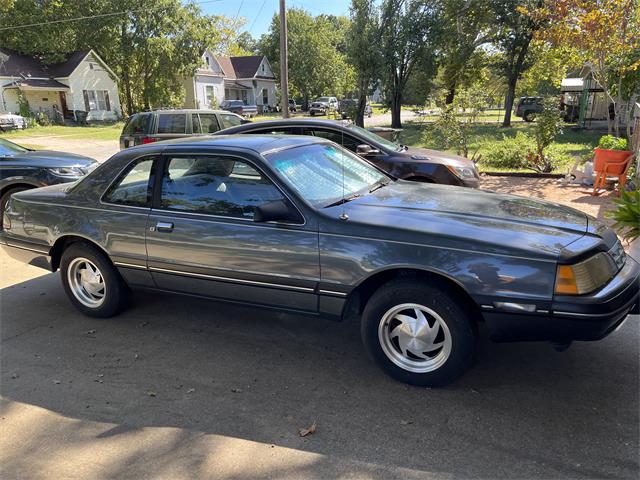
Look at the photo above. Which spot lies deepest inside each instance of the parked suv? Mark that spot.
(349, 106)
(321, 105)
(149, 127)
(528, 107)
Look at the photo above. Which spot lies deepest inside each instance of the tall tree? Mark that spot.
(606, 36)
(514, 30)
(410, 31)
(151, 46)
(468, 25)
(316, 66)
(363, 52)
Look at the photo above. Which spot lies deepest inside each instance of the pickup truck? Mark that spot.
(238, 106)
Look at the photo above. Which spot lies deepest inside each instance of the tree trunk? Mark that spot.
(451, 93)
(362, 104)
(509, 99)
(396, 106)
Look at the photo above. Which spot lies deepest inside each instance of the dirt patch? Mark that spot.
(550, 189)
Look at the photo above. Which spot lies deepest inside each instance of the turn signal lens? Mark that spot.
(566, 281)
(586, 276)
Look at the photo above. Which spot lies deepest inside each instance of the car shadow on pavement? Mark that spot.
(240, 372)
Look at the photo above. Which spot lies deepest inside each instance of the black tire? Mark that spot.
(448, 362)
(5, 199)
(115, 294)
(529, 116)
(312, 113)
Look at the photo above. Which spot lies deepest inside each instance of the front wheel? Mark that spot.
(418, 334)
(92, 282)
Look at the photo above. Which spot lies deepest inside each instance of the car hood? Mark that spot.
(50, 158)
(467, 219)
(426, 154)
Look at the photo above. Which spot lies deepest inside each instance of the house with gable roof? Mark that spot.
(247, 78)
(82, 82)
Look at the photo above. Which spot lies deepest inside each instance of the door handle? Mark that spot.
(162, 227)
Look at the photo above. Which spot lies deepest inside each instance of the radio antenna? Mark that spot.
(343, 215)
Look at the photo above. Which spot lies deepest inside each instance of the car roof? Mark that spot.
(258, 143)
(290, 122)
(184, 110)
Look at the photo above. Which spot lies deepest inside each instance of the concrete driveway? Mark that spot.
(182, 388)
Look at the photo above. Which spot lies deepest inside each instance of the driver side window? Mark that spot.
(215, 185)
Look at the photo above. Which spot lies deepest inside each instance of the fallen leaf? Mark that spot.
(57, 382)
(191, 390)
(405, 422)
(14, 375)
(236, 390)
(303, 432)
(473, 390)
(91, 332)
(151, 394)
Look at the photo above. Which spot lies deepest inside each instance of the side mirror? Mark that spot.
(277, 211)
(365, 149)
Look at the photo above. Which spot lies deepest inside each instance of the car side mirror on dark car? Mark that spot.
(365, 149)
(277, 211)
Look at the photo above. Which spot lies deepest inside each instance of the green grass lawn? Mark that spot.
(568, 146)
(93, 132)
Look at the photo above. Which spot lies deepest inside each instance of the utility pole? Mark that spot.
(284, 68)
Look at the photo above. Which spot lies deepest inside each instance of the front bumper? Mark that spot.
(588, 317)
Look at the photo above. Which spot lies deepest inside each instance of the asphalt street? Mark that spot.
(184, 388)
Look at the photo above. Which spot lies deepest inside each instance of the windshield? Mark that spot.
(375, 138)
(316, 172)
(322, 99)
(10, 148)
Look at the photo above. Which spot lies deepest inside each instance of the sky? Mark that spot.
(258, 13)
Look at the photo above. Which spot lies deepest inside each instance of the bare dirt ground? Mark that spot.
(550, 189)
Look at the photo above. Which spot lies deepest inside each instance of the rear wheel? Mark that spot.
(529, 116)
(91, 282)
(417, 333)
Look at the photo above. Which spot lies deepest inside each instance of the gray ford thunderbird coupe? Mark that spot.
(298, 223)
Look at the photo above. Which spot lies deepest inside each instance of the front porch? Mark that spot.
(47, 97)
(238, 91)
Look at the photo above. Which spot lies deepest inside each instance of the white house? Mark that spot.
(82, 82)
(249, 79)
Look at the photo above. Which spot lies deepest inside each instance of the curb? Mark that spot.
(522, 174)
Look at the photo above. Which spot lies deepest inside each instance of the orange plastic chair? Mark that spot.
(609, 170)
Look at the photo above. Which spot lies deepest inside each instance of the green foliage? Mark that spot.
(627, 215)
(454, 126)
(316, 64)
(410, 34)
(547, 127)
(150, 49)
(509, 153)
(609, 142)
(363, 53)
(23, 105)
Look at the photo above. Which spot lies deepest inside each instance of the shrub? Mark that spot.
(548, 126)
(509, 153)
(609, 142)
(627, 215)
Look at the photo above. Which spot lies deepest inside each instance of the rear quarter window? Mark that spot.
(172, 123)
(136, 124)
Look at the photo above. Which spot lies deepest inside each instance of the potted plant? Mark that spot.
(611, 150)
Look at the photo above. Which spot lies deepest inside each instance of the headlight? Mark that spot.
(586, 276)
(465, 173)
(67, 171)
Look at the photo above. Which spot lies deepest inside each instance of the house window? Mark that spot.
(265, 96)
(96, 100)
(263, 68)
(208, 61)
(210, 94)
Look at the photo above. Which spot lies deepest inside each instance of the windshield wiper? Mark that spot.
(377, 185)
(346, 199)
